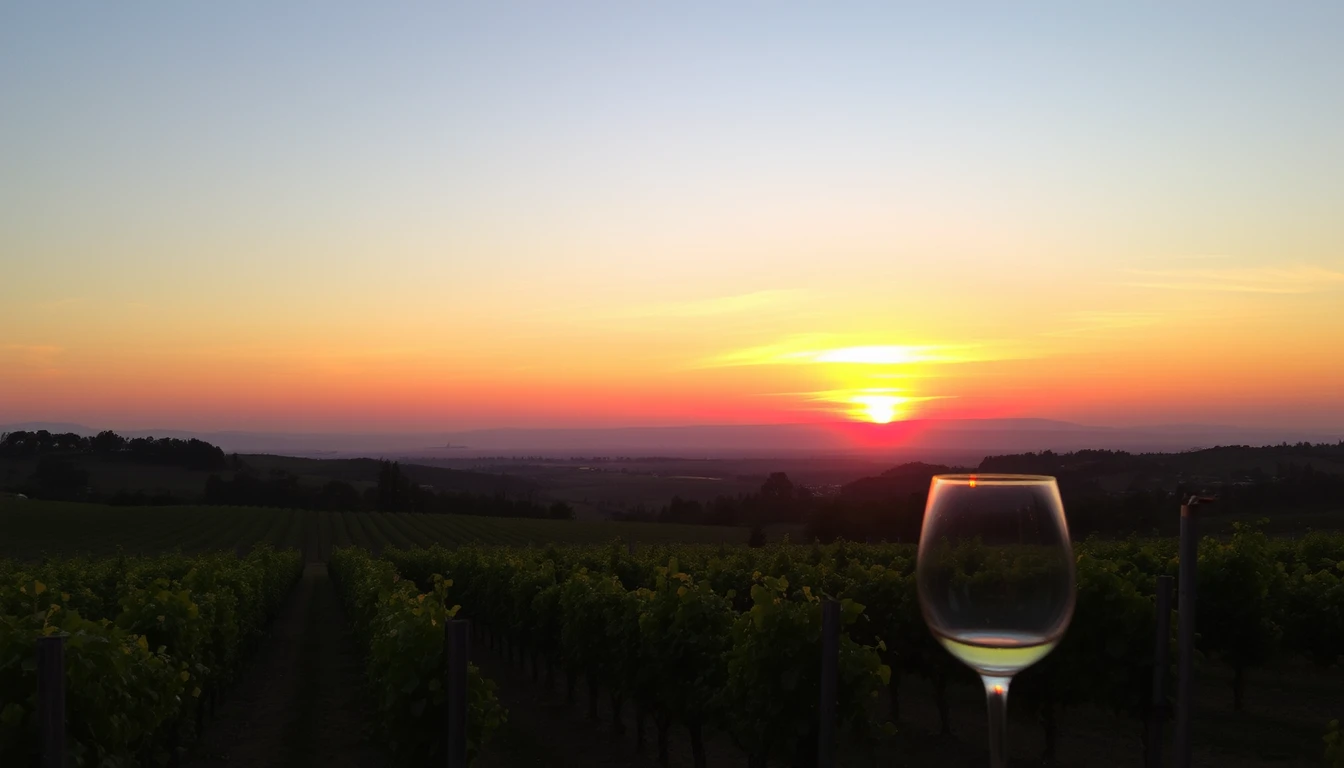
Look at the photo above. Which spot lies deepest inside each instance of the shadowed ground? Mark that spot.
(299, 704)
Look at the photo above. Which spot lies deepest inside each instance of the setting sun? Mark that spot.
(879, 409)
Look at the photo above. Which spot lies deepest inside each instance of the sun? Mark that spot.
(879, 409)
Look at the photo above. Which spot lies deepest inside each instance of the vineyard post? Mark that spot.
(456, 633)
(830, 679)
(1186, 601)
(1161, 665)
(51, 699)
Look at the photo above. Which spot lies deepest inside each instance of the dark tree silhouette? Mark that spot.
(107, 442)
(777, 487)
(393, 488)
(109, 446)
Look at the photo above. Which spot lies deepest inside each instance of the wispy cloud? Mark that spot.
(822, 350)
(1273, 280)
(717, 305)
(866, 394)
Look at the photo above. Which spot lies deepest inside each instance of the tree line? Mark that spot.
(110, 446)
(61, 474)
(394, 491)
(890, 506)
(62, 461)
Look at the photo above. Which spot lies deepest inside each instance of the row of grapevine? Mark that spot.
(146, 638)
(35, 529)
(691, 634)
(1259, 598)
(400, 629)
(667, 641)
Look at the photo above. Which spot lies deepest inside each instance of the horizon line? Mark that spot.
(30, 425)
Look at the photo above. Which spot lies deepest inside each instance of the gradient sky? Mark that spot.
(350, 216)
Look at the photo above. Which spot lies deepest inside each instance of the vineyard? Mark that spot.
(34, 528)
(150, 643)
(727, 640)
(679, 639)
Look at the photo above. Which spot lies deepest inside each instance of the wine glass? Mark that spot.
(996, 580)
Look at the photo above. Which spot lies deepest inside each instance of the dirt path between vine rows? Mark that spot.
(299, 704)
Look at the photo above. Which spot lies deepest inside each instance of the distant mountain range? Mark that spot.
(942, 439)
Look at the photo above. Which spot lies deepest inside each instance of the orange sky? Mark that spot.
(644, 218)
(1223, 358)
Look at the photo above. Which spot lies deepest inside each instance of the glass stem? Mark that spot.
(996, 697)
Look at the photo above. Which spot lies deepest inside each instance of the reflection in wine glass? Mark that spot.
(995, 576)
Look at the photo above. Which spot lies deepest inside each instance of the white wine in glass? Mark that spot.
(996, 579)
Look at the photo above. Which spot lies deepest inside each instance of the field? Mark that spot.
(31, 529)
(110, 477)
(1288, 699)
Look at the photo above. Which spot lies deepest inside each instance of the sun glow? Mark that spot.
(874, 405)
(880, 409)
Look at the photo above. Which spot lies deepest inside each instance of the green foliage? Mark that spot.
(587, 603)
(121, 694)
(1313, 613)
(692, 633)
(402, 630)
(1241, 587)
(1105, 657)
(729, 634)
(774, 672)
(652, 632)
(145, 636)
(1334, 746)
(684, 628)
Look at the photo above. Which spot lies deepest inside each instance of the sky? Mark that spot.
(424, 216)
